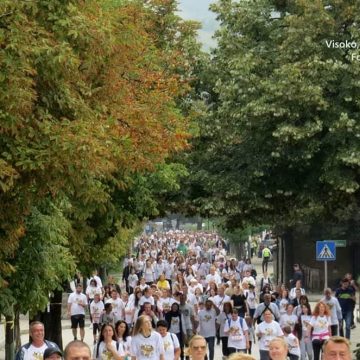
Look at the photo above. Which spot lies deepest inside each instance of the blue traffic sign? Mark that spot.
(325, 250)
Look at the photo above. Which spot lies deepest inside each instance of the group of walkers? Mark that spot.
(181, 286)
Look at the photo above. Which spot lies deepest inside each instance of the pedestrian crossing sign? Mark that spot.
(325, 250)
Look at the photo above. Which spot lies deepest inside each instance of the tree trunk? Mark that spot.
(17, 335)
(52, 323)
(51, 318)
(9, 338)
(199, 224)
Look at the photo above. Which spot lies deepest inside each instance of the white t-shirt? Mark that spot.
(129, 307)
(126, 345)
(236, 333)
(320, 326)
(145, 299)
(293, 344)
(91, 291)
(164, 304)
(220, 300)
(250, 299)
(133, 280)
(96, 309)
(288, 320)
(149, 275)
(35, 353)
(75, 300)
(249, 280)
(216, 278)
(105, 354)
(268, 332)
(117, 307)
(282, 306)
(207, 321)
(175, 325)
(333, 304)
(147, 348)
(171, 343)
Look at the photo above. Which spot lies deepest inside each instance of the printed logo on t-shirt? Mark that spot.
(147, 350)
(106, 355)
(322, 323)
(207, 318)
(167, 345)
(38, 356)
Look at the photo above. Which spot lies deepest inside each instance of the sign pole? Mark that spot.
(326, 275)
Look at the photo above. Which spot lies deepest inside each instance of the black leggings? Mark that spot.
(317, 345)
(224, 342)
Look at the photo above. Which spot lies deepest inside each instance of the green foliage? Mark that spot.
(43, 260)
(92, 108)
(280, 143)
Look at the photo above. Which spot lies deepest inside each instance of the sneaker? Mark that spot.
(353, 326)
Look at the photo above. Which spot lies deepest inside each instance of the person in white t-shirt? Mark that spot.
(96, 309)
(266, 331)
(320, 324)
(146, 344)
(289, 318)
(118, 308)
(237, 331)
(108, 347)
(207, 323)
(293, 343)
(171, 341)
(213, 276)
(122, 330)
(37, 346)
(77, 302)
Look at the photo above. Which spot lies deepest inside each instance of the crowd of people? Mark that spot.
(181, 288)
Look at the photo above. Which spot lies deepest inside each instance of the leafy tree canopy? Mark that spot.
(280, 142)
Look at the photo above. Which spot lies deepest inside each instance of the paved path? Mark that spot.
(67, 334)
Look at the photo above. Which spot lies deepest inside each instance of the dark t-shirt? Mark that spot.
(345, 298)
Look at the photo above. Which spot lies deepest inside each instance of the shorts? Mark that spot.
(77, 320)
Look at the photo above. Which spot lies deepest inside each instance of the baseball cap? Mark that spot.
(50, 351)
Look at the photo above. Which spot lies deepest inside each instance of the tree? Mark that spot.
(280, 141)
(89, 118)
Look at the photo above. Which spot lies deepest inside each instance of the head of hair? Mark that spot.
(127, 330)
(316, 311)
(227, 308)
(101, 337)
(107, 306)
(162, 323)
(75, 344)
(279, 339)
(287, 329)
(194, 338)
(337, 340)
(35, 323)
(138, 327)
(307, 305)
